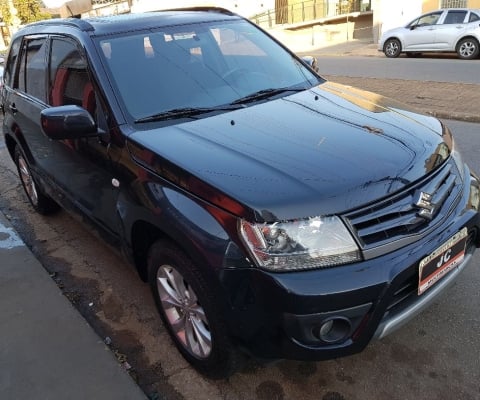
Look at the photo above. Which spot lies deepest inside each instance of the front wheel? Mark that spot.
(468, 49)
(190, 311)
(42, 203)
(392, 48)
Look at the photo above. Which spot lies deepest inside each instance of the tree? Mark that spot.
(27, 11)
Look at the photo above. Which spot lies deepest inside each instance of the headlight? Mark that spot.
(305, 244)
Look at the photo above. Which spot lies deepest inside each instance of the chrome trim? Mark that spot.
(392, 324)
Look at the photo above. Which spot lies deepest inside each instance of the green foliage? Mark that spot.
(5, 12)
(27, 11)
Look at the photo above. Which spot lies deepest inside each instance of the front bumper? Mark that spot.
(329, 313)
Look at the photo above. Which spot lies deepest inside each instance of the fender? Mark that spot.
(162, 210)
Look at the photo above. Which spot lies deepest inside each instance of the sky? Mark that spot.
(53, 3)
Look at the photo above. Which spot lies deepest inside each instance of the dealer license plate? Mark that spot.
(438, 264)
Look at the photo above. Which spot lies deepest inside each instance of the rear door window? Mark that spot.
(32, 69)
(455, 17)
(12, 62)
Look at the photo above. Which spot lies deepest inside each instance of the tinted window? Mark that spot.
(69, 82)
(198, 65)
(11, 63)
(32, 70)
(473, 17)
(455, 17)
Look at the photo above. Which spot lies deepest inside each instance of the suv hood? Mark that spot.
(323, 151)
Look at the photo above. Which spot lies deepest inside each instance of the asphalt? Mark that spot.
(47, 349)
(446, 100)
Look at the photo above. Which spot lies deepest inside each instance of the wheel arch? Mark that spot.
(182, 221)
(394, 38)
(11, 143)
(143, 235)
(14, 137)
(466, 37)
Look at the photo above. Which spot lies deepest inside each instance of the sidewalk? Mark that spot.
(47, 350)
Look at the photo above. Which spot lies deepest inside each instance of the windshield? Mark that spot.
(203, 65)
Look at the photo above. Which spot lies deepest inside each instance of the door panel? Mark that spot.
(421, 35)
(82, 167)
(452, 28)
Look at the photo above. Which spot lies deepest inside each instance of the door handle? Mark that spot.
(13, 108)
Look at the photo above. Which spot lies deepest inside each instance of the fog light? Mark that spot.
(333, 330)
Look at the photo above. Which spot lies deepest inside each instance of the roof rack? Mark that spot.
(73, 22)
(203, 8)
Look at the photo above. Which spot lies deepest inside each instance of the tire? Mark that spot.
(468, 49)
(42, 203)
(190, 311)
(392, 48)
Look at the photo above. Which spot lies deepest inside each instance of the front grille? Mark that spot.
(408, 215)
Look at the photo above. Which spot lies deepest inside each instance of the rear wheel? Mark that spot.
(42, 203)
(392, 48)
(468, 49)
(187, 305)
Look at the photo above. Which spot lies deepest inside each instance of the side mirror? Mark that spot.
(413, 27)
(67, 122)
(311, 61)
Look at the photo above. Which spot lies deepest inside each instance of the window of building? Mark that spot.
(453, 3)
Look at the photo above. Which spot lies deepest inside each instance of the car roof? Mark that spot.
(131, 22)
(477, 10)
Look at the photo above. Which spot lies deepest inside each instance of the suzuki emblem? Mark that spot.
(424, 202)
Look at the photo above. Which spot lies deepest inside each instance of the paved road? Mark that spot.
(467, 138)
(443, 69)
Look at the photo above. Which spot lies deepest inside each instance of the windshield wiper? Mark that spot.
(265, 93)
(184, 112)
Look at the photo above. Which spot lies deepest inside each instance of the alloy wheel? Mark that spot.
(392, 48)
(27, 180)
(467, 49)
(183, 311)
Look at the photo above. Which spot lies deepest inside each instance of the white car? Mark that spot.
(448, 30)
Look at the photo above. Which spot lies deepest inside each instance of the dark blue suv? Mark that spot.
(272, 211)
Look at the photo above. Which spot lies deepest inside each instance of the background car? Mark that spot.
(449, 30)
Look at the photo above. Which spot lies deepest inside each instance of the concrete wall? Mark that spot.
(390, 14)
(318, 36)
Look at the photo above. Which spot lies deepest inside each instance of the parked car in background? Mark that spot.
(448, 30)
(270, 210)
